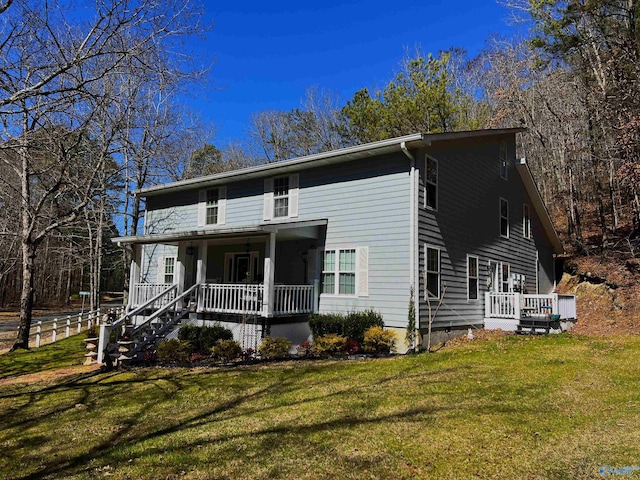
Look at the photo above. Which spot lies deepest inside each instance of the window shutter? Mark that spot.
(222, 205)
(160, 270)
(268, 199)
(294, 183)
(362, 271)
(202, 208)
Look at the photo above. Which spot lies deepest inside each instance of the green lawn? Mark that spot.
(514, 407)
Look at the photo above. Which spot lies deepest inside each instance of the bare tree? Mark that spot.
(49, 72)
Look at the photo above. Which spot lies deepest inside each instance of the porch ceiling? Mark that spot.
(284, 231)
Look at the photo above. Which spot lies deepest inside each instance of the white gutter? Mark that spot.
(413, 238)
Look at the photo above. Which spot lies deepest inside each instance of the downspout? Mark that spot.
(412, 236)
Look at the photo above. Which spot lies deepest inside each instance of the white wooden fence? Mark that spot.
(49, 331)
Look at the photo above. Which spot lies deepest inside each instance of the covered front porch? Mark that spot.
(265, 270)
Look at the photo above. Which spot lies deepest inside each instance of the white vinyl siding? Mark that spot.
(472, 277)
(504, 218)
(432, 272)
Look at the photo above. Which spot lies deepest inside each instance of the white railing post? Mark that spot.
(487, 304)
(54, 332)
(554, 303)
(103, 340)
(516, 306)
(67, 330)
(79, 322)
(38, 333)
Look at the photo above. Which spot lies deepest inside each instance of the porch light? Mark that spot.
(305, 256)
(190, 250)
(247, 247)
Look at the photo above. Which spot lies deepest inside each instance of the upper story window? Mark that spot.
(504, 165)
(281, 197)
(431, 183)
(432, 264)
(526, 221)
(212, 206)
(504, 218)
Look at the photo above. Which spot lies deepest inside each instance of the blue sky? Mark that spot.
(268, 53)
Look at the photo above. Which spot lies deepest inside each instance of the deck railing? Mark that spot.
(516, 305)
(231, 298)
(293, 299)
(143, 292)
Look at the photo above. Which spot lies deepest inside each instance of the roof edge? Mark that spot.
(348, 153)
(538, 203)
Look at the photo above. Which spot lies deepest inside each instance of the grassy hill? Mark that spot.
(504, 407)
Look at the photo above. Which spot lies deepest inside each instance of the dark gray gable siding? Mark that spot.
(467, 221)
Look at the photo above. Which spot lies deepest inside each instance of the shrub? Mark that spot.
(351, 326)
(173, 351)
(278, 347)
(226, 350)
(378, 340)
(351, 347)
(202, 339)
(329, 344)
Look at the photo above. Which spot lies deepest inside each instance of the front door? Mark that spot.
(242, 268)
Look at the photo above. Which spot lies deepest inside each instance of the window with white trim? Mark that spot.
(212, 206)
(505, 271)
(504, 218)
(281, 197)
(472, 277)
(432, 271)
(213, 197)
(526, 221)
(431, 183)
(340, 267)
(504, 166)
(169, 269)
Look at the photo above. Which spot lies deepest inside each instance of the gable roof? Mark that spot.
(539, 206)
(392, 145)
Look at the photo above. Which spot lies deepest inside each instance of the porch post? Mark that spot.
(179, 268)
(269, 275)
(134, 273)
(487, 305)
(201, 271)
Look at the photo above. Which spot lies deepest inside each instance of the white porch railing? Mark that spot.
(231, 298)
(143, 292)
(293, 299)
(516, 305)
